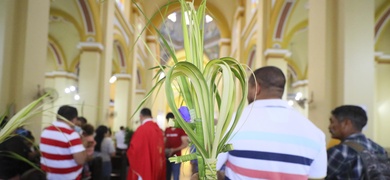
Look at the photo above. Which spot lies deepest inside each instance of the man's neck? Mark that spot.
(147, 119)
(350, 134)
(71, 124)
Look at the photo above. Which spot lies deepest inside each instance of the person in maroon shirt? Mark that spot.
(175, 140)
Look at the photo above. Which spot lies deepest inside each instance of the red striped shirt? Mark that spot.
(58, 144)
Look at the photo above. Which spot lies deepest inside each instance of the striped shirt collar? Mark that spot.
(61, 124)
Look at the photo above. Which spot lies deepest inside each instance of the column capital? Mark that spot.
(55, 74)
(239, 12)
(151, 39)
(225, 42)
(135, 8)
(299, 83)
(382, 58)
(277, 53)
(90, 46)
(122, 76)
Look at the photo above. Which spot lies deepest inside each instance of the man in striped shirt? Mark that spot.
(63, 153)
(272, 140)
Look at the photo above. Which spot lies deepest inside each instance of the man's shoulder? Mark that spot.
(341, 150)
(377, 148)
(337, 148)
(61, 127)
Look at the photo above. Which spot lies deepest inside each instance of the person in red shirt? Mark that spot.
(146, 152)
(175, 140)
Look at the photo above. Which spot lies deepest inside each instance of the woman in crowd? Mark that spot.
(105, 149)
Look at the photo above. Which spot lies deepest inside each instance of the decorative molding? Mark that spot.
(151, 39)
(140, 91)
(139, 59)
(382, 58)
(54, 74)
(249, 26)
(249, 37)
(123, 20)
(225, 42)
(282, 20)
(121, 31)
(300, 83)
(90, 46)
(87, 17)
(239, 12)
(122, 57)
(382, 20)
(123, 76)
(279, 53)
(58, 55)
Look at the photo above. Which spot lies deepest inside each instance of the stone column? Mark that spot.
(224, 47)
(131, 121)
(90, 59)
(158, 101)
(382, 98)
(263, 15)
(107, 15)
(122, 103)
(355, 60)
(321, 71)
(23, 51)
(277, 58)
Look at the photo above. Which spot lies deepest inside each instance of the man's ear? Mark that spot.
(347, 123)
(74, 120)
(258, 89)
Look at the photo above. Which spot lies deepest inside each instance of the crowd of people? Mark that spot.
(271, 141)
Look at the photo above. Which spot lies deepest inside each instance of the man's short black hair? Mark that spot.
(356, 114)
(88, 129)
(68, 112)
(146, 112)
(170, 116)
(122, 128)
(269, 77)
(82, 120)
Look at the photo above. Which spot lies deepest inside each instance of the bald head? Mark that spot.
(271, 81)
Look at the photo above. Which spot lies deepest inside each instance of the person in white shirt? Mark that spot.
(121, 146)
(272, 140)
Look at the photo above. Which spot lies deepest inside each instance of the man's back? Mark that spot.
(344, 162)
(58, 144)
(146, 153)
(274, 141)
(120, 139)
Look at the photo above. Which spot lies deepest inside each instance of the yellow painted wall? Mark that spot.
(383, 104)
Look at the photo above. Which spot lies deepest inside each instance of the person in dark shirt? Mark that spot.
(11, 167)
(346, 124)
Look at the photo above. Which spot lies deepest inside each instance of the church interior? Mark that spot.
(97, 55)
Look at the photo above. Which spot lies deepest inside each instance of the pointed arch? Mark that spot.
(58, 53)
(91, 21)
(382, 19)
(69, 18)
(297, 28)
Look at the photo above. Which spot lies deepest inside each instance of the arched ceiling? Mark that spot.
(65, 31)
(294, 37)
(382, 18)
(226, 9)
